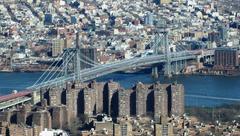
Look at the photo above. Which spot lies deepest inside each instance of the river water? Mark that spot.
(217, 86)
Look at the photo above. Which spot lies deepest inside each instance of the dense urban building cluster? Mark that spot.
(99, 108)
(35, 32)
(226, 62)
(60, 107)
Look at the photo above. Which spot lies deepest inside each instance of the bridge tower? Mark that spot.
(77, 58)
(72, 60)
(161, 45)
(171, 67)
(156, 48)
(167, 69)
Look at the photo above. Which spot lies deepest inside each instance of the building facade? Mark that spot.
(226, 58)
(57, 47)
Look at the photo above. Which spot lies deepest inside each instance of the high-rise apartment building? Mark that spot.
(48, 19)
(54, 97)
(123, 103)
(226, 58)
(223, 32)
(42, 118)
(57, 47)
(122, 129)
(160, 102)
(176, 100)
(59, 117)
(141, 93)
(163, 130)
(89, 101)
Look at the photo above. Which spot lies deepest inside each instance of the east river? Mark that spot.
(216, 86)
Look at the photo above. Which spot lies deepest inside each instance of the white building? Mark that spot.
(52, 132)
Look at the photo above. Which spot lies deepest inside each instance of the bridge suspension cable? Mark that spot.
(69, 57)
(88, 59)
(212, 97)
(84, 61)
(50, 68)
(159, 40)
(58, 69)
(93, 72)
(54, 69)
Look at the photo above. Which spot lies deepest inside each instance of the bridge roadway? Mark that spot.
(14, 99)
(100, 70)
(14, 102)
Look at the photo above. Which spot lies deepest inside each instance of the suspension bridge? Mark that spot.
(70, 70)
(70, 66)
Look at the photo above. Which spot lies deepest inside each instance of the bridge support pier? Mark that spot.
(168, 70)
(184, 64)
(176, 68)
(155, 72)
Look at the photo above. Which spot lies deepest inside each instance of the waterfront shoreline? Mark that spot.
(202, 74)
(138, 71)
(194, 84)
(210, 114)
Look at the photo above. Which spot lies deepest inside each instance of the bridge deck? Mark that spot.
(14, 95)
(100, 70)
(13, 102)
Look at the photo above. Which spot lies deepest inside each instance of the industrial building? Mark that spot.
(226, 58)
